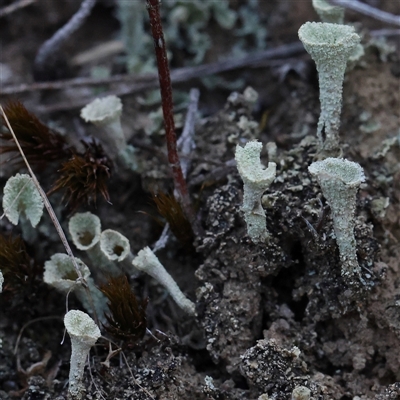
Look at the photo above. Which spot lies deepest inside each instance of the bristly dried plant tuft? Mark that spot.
(40, 144)
(84, 176)
(19, 269)
(128, 316)
(170, 209)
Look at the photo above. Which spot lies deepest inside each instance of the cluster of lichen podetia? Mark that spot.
(330, 45)
(109, 252)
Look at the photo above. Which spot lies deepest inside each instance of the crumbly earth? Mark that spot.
(270, 317)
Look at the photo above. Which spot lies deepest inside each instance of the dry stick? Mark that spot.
(185, 141)
(7, 10)
(185, 145)
(167, 106)
(32, 321)
(127, 365)
(76, 82)
(385, 32)
(366, 9)
(148, 81)
(52, 45)
(92, 379)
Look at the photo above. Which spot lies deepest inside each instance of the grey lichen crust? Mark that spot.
(330, 46)
(339, 180)
(256, 181)
(22, 198)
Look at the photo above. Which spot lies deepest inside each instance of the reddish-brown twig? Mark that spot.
(167, 106)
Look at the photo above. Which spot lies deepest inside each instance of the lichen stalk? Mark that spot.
(340, 180)
(330, 46)
(256, 180)
(84, 333)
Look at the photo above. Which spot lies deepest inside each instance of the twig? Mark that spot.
(32, 321)
(185, 146)
(76, 82)
(185, 142)
(52, 45)
(167, 106)
(366, 9)
(148, 81)
(385, 32)
(163, 239)
(92, 378)
(17, 5)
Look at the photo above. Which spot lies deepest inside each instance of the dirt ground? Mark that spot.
(270, 317)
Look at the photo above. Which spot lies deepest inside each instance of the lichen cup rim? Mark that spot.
(347, 171)
(102, 109)
(326, 34)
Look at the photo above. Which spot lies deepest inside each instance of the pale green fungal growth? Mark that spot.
(59, 272)
(330, 46)
(106, 113)
(328, 13)
(148, 262)
(339, 180)
(114, 245)
(21, 198)
(256, 179)
(85, 231)
(84, 334)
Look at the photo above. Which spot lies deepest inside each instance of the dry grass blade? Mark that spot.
(46, 202)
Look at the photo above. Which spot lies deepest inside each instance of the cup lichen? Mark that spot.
(256, 179)
(84, 333)
(330, 46)
(339, 180)
(148, 262)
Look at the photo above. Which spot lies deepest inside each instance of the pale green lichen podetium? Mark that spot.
(327, 12)
(339, 180)
(330, 46)
(256, 179)
(84, 334)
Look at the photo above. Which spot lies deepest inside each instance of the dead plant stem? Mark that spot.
(153, 8)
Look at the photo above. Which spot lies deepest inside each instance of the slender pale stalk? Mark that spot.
(256, 179)
(330, 46)
(148, 262)
(84, 333)
(339, 180)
